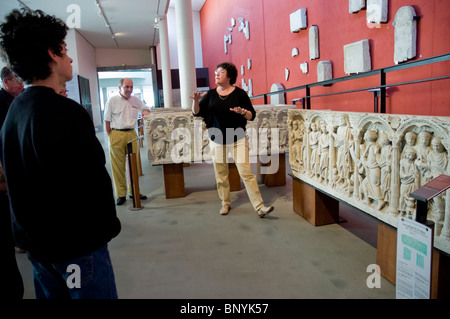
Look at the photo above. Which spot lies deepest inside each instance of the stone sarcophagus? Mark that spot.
(374, 161)
(175, 136)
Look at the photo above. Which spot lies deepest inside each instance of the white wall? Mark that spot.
(173, 46)
(121, 57)
(84, 64)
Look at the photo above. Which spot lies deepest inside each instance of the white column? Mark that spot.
(186, 53)
(165, 62)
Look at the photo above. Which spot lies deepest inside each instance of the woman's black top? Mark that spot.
(225, 126)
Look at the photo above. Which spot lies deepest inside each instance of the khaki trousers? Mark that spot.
(240, 153)
(118, 141)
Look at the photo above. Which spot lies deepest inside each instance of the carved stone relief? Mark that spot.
(313, 42)
(175, 135)
(357, 57)
(377, 11)
(374, 161)
(244, 27)
(277, 98)
(356, 5)
(298, 20)
(405, 34)
(304, 67)
(247, 87)
(324, 71)
(226, 40)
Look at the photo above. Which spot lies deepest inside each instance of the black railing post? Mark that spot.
(308, 99)
(382, 91)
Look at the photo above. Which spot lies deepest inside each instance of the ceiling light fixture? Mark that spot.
(108, 25)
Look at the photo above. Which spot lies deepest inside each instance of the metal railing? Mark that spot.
(378, 91)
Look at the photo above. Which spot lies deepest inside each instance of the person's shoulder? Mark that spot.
(239, 90)
(115, 98)
(209, 91)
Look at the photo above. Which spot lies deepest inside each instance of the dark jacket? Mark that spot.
(60, 191)
(5, 101)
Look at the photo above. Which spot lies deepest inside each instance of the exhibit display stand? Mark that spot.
(418, 237)
(406, 255)
(174, 180)
(314, 206)
(398, 250)
(278, 178)
(414, 259)
(133, 176)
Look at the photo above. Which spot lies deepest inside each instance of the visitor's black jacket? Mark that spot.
(62, 203)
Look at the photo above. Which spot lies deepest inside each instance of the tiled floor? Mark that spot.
(182, 248)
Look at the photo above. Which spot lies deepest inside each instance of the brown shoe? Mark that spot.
(225, 209)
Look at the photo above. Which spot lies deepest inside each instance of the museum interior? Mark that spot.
(350, 144)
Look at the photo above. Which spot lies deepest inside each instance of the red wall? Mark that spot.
(271, 43)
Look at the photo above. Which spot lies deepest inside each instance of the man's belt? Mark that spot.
(123, 129)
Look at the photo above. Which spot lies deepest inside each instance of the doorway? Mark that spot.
(143, 84)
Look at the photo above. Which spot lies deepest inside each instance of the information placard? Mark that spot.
(414, 252)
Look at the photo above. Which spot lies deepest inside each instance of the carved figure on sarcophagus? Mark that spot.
(283, 131)
(158, 140)
(296, 133)
(264, 119)
(343, 143)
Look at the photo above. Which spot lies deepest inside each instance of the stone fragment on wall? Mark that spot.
(324, 71)
(374, 161)
(356, 5)
(304, 67)
(313, 42)
(298, 20)
(405, 34)
(247, 88)
(277, 98)
(357, 57)
(377, 11)
(226, 40)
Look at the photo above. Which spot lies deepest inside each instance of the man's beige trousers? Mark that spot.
(118, 141)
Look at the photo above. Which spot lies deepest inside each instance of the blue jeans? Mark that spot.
(88, 277)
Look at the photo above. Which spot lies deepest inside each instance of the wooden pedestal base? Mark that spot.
(387, 260)
(234, 178)
(174, 180)
(314, 206)
(387, 251)
(276, 179)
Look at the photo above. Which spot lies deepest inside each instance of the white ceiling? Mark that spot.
(131, 21)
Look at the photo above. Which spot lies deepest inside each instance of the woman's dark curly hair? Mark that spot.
(25, 38)
(231, 71)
